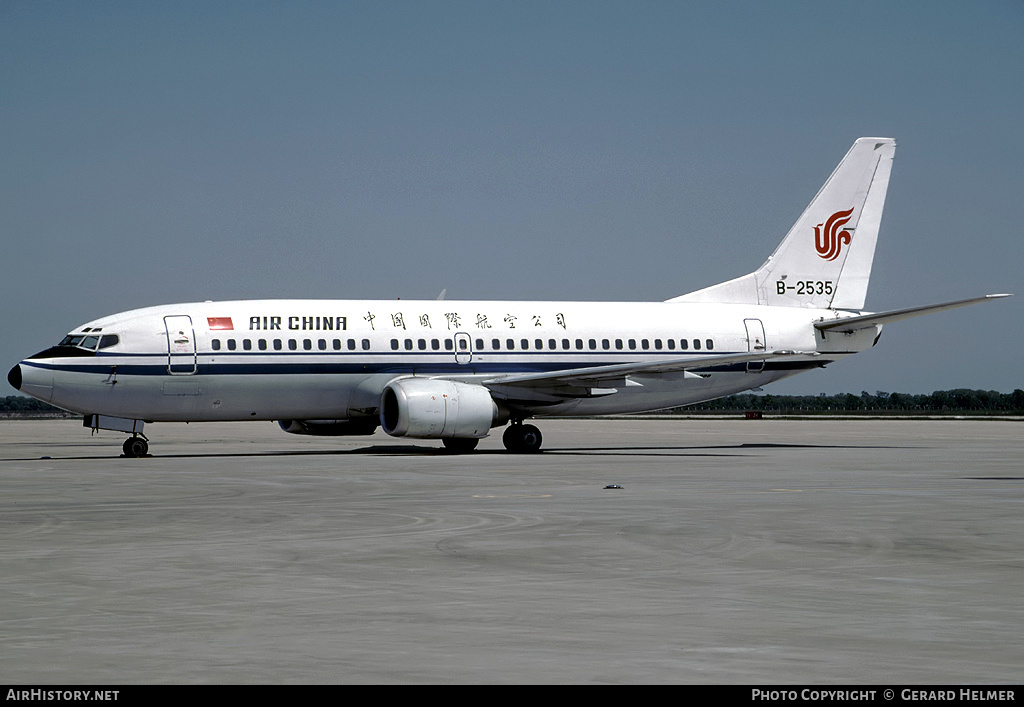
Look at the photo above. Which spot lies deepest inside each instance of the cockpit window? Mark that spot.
(90, 342)
(79, 345)
(80, 341)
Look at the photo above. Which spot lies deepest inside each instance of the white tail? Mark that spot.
(825, 259)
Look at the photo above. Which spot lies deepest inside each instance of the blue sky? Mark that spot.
(182, 151)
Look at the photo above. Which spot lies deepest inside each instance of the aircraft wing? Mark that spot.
(597, 379)
(866, 321)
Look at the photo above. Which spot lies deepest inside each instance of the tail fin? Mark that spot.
(825, 259)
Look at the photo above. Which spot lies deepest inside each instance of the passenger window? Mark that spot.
(408, 344)
(671, 344)
(394, 344)
(247, 344)
(421, 344)
(684, 344)
(321, 344)
(657, 344)
(696, 344)
(618, 344)
(709, 344)
(435, 344)
(231, 344)
(510, 344)
(215, 344)
(293, 345)
(277, 344)
(366, 344)
(261, 344)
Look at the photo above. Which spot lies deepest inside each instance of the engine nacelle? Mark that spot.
(329, 428)
(431, 409)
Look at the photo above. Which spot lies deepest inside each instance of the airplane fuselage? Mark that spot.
(325, 359)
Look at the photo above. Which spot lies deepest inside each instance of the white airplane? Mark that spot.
(448, 370)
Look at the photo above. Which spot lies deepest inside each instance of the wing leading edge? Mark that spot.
(601, 376)
(602, 380)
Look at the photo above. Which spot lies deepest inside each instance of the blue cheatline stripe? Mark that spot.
(365, 367)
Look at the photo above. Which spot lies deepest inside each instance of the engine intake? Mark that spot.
(431, 409)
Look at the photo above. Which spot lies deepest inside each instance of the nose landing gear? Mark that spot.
(522, 438)
(135, 446)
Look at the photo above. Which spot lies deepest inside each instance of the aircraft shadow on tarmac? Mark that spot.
(433, 451)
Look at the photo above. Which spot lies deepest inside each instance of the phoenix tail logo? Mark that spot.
(829, 239)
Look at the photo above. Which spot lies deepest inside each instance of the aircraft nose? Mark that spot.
(14, 377)
(32, 380)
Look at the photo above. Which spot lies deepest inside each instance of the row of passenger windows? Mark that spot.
(568, 344)
(463, 344)
(291, 344)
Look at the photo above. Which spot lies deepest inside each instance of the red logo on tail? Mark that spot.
(829, 242)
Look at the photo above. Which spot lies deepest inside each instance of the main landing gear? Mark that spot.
(521, 438)
(518, 438)
(136, 446)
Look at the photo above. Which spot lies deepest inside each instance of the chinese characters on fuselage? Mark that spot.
(454, 320)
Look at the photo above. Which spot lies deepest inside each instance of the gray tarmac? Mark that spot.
(737, 551)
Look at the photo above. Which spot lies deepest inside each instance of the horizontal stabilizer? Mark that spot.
(866, 321)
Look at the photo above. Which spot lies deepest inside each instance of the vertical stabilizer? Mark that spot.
(825, 259)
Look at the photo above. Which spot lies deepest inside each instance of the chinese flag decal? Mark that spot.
(220, 323)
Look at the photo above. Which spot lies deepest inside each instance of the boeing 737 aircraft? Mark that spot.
(452, 371)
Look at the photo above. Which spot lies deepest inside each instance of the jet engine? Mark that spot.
(329, 428)
(432, 408)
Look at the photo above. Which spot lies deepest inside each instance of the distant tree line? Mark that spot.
(19, 403)
(959, 401)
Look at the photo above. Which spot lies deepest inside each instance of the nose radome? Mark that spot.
(14, 377)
